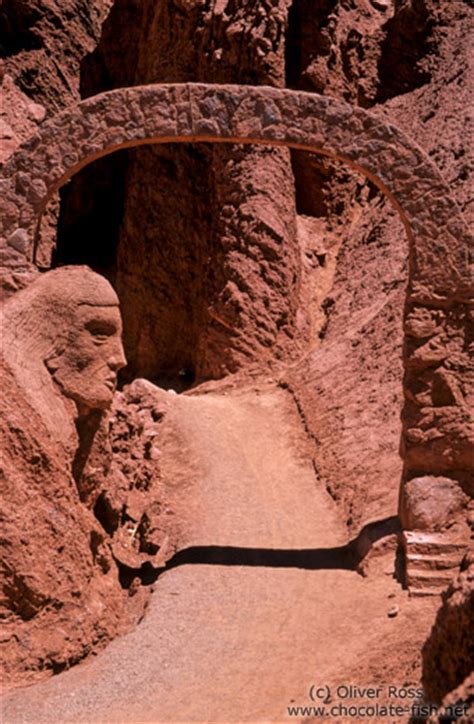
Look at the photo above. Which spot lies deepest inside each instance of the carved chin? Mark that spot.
(96, 397)
(99, 400)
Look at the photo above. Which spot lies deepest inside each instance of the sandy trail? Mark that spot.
(223, 643)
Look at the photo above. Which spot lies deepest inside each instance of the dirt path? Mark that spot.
(231, 640)
(256, 484)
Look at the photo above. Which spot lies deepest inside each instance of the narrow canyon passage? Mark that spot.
(239, 642)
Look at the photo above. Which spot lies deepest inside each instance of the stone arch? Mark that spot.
(438, 236)
(435, 437)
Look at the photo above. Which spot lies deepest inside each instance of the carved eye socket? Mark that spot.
(101, 329)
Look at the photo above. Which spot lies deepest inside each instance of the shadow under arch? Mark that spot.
(438, 238)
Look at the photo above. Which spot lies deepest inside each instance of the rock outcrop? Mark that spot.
(390, 56)
(80, 513)
(448, 654)
(437, 433)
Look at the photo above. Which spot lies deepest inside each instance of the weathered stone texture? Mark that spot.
(448, 652)
(432, 503)
(61, 350)
(43, 43)
(320, 124)
(221, 263)
(203, 234)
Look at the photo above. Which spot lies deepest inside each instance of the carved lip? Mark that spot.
(110, 383)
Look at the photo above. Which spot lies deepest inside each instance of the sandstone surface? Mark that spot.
(447, 653)
(263, 595)
(81, 514)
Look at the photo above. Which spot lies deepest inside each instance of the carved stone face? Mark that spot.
(87, 369)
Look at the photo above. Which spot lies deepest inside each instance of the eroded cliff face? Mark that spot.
(252, 247)
(61, 593)
(447, 653)
(248, 260)
(217, 223)
(43, 44)
(393, 58)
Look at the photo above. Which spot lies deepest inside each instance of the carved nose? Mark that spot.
(117, 359)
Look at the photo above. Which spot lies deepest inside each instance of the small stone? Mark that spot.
(155, 453)
(36, 112)
(134, 586)
(19, 240)
(432, 501)
(393, 611)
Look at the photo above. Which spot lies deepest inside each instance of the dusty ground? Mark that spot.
(261, 605)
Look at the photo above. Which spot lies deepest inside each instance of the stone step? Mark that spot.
(428, 582)
(418, 561)
(431, 544)
(425, 592)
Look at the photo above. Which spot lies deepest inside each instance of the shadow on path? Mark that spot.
(311, 558)
(346, 557)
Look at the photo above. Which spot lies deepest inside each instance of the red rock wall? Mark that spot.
(61, 595)
(44, 42)
(447, 653)
(412, 68)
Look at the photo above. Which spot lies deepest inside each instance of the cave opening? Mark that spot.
(17, 28)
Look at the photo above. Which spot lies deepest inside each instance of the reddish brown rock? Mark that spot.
(19, 117)
(458, 703)
(432, 503)
(398, 57)
(250, 269)
(448, 653)
(76, 523)
(228, 241)
(43, 43)
(136, 508)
